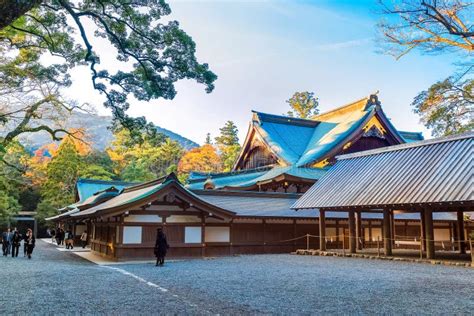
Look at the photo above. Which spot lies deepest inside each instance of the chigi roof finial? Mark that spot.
(373, 100)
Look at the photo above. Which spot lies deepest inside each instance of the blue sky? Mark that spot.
(264, 51)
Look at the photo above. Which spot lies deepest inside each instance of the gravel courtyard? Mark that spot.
(60, 282)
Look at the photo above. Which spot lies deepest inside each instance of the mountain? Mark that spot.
(97, 132)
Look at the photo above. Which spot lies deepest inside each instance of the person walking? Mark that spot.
(69, 239)
(25, 244)
(84, 239)
(59, 236)
(30, 243)
(6, 242)
(16, 241)
(53, 235)
(161, 247)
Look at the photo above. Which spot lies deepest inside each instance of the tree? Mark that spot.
(141, 161)
(203, 159)
(12, 184)
(436, 27)
(62, 173)
(151, 55)
(303, 104)
(208, 139)
(30, 99)
(447, 107)
(431, 26)
(228, 145)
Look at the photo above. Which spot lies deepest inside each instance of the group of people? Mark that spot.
(66, 237)
(11, 242)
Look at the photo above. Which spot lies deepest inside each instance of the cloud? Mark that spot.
(342, 45)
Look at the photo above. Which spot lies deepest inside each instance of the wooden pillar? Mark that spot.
(461, 234)
(387, 243)
(392, 228)
(429, 233)
(203, 236)
(423, 230)
(352, 232)
(359, 235)
(322, 230)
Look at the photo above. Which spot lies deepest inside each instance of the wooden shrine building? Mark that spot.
(426, 177)
(248, 210)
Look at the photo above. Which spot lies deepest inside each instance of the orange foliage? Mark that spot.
(204, 159)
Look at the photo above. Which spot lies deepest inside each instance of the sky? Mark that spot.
(264, 51)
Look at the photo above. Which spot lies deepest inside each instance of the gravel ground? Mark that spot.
(59, 282)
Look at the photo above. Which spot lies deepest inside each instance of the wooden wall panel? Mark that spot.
(246, 233)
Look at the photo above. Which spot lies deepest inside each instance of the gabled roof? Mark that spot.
(437, 172)
(144, 193)
(303, 142)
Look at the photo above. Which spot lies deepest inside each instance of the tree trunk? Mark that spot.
(10, 10)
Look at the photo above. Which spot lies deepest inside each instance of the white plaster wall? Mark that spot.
(132, 234)
(192, 235)
(142, 219)
(217, 234)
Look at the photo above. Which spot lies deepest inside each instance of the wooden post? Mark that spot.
(352, 232)
(392, 228)
(307, 241)
(472, 253)
(343, 241)
(421, 247)
(378, 246)
(387, 243)
(322, 230)
(423, 229)
(359, 230)
(429, 233)
(203, 236)
(461, 234)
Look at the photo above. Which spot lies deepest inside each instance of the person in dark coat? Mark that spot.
(16, 241)
(161, 247)
(30, 242)
(6, 242)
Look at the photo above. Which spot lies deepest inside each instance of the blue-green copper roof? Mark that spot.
(88, 187)
(228, 179)
(411, 136)
(288, 137)
(329, 134)
(248, 179)
(301, 142)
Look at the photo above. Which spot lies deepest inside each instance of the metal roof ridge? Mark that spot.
(233, 173)
(420, 143)
(315, 117)
(145, 184)
(247, 193)
(288, 119)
